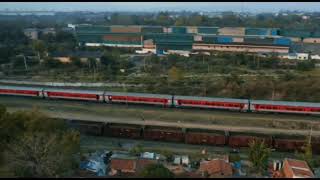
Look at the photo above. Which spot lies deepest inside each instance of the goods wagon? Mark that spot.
(237, 139)
(205, 137)
(216, 103)
(21, 91)
(52, 93)
(163, 134)
(139, 98)
(124, 131)
(87, 127)
(288, 144)
(284, 107)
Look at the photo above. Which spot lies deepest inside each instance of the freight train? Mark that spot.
(192, 135)
(242, 105)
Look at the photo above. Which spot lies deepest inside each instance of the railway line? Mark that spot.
(133, 114)
(100, 119)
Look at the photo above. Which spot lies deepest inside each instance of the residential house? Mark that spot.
(152, 155)
(215, 168)
(290, 168)
(181, 160)
(316, 56)
(293, 168)
(129, 166)
(298, 56)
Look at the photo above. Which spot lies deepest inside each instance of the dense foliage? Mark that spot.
(258, 155)
(156, 171)
(34, 145)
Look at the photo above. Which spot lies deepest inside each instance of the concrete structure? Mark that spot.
(241, 48)
(317, 57)
(181, 160)
(297, 56)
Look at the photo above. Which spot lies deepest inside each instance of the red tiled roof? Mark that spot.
(216, 166)
(298, 168)
(297, 163)
(302, 173)
(123, 164)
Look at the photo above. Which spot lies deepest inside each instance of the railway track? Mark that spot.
(204, 119)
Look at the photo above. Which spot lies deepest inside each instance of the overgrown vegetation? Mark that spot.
(34, 145)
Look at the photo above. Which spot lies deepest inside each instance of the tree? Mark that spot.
(258, 155)
(76, 62)
(38, 146)
(156, 171)
(136, 149)
(175, 74)
(40, 47)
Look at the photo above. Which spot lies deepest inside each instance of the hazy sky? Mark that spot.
(157, 6)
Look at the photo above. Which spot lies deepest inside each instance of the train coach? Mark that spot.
(138, 98)
(284, 107)
(88, 95)
(242, 105)
(21, 91)
(215, 103)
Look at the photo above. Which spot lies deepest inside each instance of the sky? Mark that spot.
(160, 6)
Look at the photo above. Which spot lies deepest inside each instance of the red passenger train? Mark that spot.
(243, 105)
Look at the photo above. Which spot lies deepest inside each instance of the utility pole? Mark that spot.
(25, 62)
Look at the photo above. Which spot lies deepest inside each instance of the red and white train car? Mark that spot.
(89, 95)
(139, 98)
(284, 107)
(21, 91)
(215, 103)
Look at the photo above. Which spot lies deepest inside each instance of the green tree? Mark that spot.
(258, 155)
(136, 149)
(175, 74)
(38, 146)
(156, 171)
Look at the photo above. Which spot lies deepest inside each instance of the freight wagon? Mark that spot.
(159, 133)
(205, 137)
(123, 131)
(194, 136)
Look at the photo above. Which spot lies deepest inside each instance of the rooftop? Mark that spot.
(299, 168)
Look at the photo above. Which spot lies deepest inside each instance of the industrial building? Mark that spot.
(160, 40)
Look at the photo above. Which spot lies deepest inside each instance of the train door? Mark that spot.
(40, 94)
(45, 94)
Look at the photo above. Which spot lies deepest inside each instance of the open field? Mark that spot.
(208, 119)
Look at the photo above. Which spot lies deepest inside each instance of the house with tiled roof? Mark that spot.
(129, 166)
(215, 168)
(293, 168)
(290, 168)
